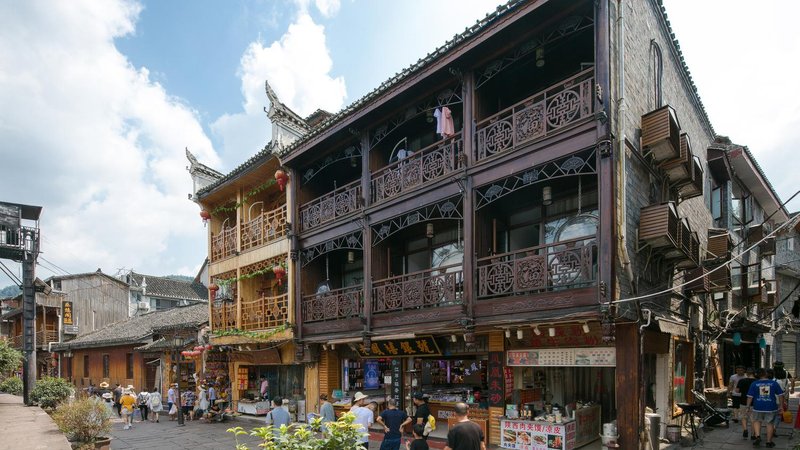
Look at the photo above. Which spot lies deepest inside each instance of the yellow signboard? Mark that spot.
(66, 313)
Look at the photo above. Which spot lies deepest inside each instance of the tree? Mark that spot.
(10, 358)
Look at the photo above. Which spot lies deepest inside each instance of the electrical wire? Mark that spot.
(791, 221)
(10, 274)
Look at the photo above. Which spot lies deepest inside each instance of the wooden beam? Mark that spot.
(628, 384)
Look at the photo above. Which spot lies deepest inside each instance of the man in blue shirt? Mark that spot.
(278, 416)
(764, 398)
(391, 419)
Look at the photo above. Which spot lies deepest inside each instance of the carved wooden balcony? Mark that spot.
(265, 312)
(693, 187)
(16, 341)
(223, 316)
(332, 305)
(43, 337)
(659, 226)
(661, 134)
(14, 240)
(428, 164)
(339, 203)
(223, 244)
(719, 244)
(562, 265)
(266, 227)
(430, 288)
(679, 170)
(541, 115)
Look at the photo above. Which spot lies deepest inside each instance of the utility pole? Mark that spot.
(19, 241)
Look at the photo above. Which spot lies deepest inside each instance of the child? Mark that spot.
(418, 443)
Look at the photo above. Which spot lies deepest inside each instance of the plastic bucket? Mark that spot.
(673, 433)
(609, 440)
(610, 429)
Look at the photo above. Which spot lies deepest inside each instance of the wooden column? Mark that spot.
(470, 280)
(627, 384)
(367, 234)
(293, 278)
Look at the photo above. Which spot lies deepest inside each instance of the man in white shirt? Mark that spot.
(364, 416)
(171, 400)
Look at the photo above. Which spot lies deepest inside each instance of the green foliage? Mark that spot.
(83, 420)
(252, 334)
(11, 385)
(50, 391)
(10, 358)
(339, 435)
(222, 210)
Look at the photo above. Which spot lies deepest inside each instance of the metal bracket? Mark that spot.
(605, 148)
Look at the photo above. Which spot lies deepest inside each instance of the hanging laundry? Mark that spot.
(438, 115)
(448, 129)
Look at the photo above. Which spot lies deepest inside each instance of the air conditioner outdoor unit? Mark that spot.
(144, 305)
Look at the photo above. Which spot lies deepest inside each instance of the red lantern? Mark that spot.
(281, 178)
(213, 288)
(55, 363)
(280, 273)
(205, 215)
(209, 347)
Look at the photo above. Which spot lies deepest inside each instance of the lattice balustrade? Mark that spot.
(267, 227)
(429, 164)
(265, 312)
(223, 244)
(431, 288)
(332, 305)
(341, 202)
(538, 116)
(562, 265)
(223, 316)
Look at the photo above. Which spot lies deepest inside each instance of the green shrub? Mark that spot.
(11, 385)
(10, 358)
(83, 420)
(339, 435)
(50, 391)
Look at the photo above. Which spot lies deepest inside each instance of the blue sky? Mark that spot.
(102, 97)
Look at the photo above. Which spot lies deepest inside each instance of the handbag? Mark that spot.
(173, 410)
(787, 417)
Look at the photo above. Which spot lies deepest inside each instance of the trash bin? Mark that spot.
(655, 428)
(674, 433)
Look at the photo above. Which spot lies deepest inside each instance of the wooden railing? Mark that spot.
(335, 304)
(223, 244)
(43, 337)
(442, 286)
(541, 115)
(265, 312)
(16, 341)
(342, 201)
(223, 316)
(18, 238)
(561, 265)
(428, 164)
(264, 228)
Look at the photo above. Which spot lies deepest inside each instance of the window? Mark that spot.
(716, 203)
(658, 71)
(105, 366)
(85, 366)
(129, 366)
(790, 244)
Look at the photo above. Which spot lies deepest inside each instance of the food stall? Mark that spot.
(559, 397)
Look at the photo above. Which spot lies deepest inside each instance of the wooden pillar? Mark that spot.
(627, 384)
(366, 241)
(295, 304)
(468, 212)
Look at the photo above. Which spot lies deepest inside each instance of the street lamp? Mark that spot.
(177, 343)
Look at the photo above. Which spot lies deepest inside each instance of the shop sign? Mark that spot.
(574, 357)
(494, 379)
(417, 346)
(67, 319)
(397, 381)
(529, 435)
(372, 374)
(509, 372)
(269, 356)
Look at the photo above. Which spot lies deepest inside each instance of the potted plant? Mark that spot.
(50, 391)
(85, 422)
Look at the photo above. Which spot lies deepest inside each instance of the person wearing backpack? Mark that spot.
(155, 405)
(422, 416)
(141, 400)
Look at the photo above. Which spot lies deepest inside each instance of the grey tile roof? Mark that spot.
(139, 329)
(169, 288)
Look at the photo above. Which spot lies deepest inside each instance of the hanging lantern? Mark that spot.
(762, 342)
(213, 288)
(737, 339)
(205, 215)
(280, 273)
(209, 347)
(281, 178)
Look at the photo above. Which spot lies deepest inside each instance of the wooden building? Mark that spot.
(521, 213)
(98, 300)
(111, 354)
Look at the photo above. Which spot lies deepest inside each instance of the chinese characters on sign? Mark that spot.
(495, 379)
(589, 357)
(417, 346)
(397, 381)
(527, 435)
(67, 319)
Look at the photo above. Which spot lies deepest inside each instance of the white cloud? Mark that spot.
(94, 140)
(328, 8)
(298, 68)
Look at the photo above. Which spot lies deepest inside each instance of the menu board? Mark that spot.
(559, 357)
(528, 435)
